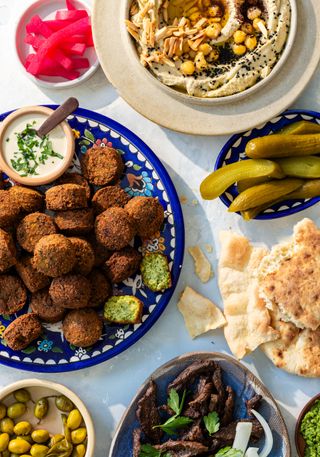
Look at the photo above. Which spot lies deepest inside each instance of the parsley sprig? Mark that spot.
(212, 423)
(229, 452)
(149, 451)
(176, 422)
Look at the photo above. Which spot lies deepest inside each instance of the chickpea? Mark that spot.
(213, 30)
(188, 68)
(247, 28)
(200, 61)
(205, 48)
(214, 20)
(214, 11)
(251, 42)
(214, 55)
(239, 36)
(253, 12)
(239, 49)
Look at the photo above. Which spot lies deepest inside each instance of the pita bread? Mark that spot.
(248, 320)
(200, 314)
(289, 277)
(297, 351)
(201, 264)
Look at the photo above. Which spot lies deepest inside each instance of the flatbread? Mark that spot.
(289, 277)
(297, 351)
(200, 314)
(202, 265)
(248, 320)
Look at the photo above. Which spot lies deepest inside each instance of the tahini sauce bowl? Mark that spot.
(61, 136)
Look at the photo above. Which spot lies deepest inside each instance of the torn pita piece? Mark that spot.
(200, 314)
(201, 264)
(248, 320)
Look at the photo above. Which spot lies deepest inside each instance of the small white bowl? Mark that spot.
(46, 9)
(40, 388)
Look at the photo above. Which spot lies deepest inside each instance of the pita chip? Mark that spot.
(201, 264)
(199, 313)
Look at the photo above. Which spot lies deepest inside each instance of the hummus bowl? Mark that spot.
(218, 54)
(233, 151)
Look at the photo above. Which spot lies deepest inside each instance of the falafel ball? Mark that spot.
(84, 256)
(70, 291)
(13, 294)
(114, 228)
(32, 279)
(7, 251)
(102, 165)
(108, 197)
(22, 331)
(54, 255)
(32, 228)
(101, 253)
(147, 213)
(82, 327)
(42, 305)
(75, 221)
(66, 196)
(29, 200)
(75, 178)
(122, 264)
(101, 288)
(10, 211)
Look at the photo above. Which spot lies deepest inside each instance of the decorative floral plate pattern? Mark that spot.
(145, 176)
(233, 151)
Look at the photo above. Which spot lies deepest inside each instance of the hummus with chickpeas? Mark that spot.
(210, 48)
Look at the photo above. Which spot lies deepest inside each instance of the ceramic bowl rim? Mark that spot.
(182, 96)
(65, 163)
(25, 383)
(303, 412)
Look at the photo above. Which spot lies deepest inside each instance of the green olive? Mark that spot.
(79, 451)
(4, 441)
(56, 439)
(22, 395)
(16, 410)
(7, 425)
(3, 411)
(74, 419)
(19, 446)
(79, 435)
(64, 404)
(41, 408)
(40, 436)
(26, 438)
(22, 428)
(6, 453)
(61, 448)
(39, 450)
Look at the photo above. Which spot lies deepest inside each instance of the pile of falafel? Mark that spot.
(66, 248)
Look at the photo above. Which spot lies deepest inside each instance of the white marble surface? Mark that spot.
(108, 388)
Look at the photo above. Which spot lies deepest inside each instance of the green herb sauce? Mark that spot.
(310, 429)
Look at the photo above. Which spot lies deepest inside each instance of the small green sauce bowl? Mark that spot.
(299, 440)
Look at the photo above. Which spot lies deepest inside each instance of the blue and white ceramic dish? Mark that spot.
(236, 375)
(233, 151)
(144, 176)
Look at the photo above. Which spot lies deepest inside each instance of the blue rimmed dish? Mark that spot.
(144, 176)
(233, 151)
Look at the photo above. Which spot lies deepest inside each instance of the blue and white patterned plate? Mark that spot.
(145, 176)
(233, 151)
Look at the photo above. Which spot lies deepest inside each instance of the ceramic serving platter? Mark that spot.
(120, 64)
(144, 176)
(242, 381)
(233, 151)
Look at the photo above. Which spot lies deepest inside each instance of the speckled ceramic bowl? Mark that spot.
(243, 382)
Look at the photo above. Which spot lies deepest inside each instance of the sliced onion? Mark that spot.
(242, 438)
(268, 445)
(252, 452)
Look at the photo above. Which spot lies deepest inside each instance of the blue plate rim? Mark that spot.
(227, 146)
(178, 262)
(191, 356)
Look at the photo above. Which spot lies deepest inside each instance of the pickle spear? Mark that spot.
(244, 184)
(218, 181)
(309, 189)
(301, 167)
(279, 146)
(300, 128)
(264, 193)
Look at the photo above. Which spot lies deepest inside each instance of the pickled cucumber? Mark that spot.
(300, 128)
(301, 167)
(264, 193)
(218, 181)
(279, 146)
(244, 184)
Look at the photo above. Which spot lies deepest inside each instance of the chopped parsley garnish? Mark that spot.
(32, 151)
(176, 422)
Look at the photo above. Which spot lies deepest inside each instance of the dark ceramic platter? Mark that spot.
(243, 382)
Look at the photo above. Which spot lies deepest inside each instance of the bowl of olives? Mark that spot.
(44, 419)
